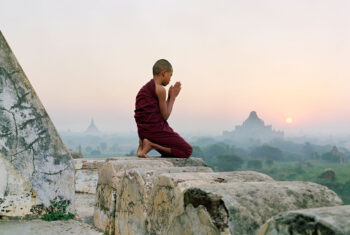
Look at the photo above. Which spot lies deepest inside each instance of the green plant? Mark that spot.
(58, 211)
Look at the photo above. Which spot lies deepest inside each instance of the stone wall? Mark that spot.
(35, 165)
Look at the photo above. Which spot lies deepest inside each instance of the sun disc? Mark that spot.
(289, 120)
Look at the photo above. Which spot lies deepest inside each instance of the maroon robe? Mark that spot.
(152, 126)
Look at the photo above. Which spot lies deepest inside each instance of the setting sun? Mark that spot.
(289, 120)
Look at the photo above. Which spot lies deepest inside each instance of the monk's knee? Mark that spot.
(188, 151)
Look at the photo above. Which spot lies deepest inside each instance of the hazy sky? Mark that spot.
(282, 59)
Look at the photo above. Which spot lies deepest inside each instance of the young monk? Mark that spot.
(152, 111)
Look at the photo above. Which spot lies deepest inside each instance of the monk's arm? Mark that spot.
(165, 106)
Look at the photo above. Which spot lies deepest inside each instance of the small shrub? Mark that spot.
(57, 211)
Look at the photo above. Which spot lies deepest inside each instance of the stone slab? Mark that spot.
(169, 190)
(241, 208)
(321, 221)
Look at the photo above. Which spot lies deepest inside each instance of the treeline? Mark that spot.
(223, 156)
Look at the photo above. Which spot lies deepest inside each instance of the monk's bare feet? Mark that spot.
(139, 149)
(147, 146)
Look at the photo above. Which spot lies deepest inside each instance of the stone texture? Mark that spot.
(40, 227)
(16, 194)
(86, 169)
(321, 221)
(134, 202)
(241, 208)
(30, 143)
(150, 198)
(110, 177)
(86, 174)
(88, 163)
(86, 181)
(168, 199)
(84, 207)
(162, 199)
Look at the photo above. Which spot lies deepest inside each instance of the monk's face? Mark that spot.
(166, 77)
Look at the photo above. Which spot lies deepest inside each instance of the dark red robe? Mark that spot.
(152, 126)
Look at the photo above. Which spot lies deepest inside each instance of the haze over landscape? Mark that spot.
(283, 59)
(263, 112)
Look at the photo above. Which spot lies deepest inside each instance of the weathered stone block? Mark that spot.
(134, 202)
(30, 142)
(86, 174)
(110, 177)
(86, 181)
(241, 208)
(321, 221)
(168, 197)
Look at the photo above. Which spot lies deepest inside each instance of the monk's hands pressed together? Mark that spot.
(166, 106)
(175, 90)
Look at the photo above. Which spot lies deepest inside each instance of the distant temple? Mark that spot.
(92, 129)
(253, 129)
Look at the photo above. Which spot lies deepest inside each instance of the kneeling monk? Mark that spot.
(152, 112)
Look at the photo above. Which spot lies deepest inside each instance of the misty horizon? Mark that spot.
(288, 132)
(282, 59)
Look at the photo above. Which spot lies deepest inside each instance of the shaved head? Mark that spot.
(161, 65)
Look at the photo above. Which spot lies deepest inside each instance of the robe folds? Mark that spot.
(152, 126)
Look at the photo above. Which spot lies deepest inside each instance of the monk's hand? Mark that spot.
(176, 89)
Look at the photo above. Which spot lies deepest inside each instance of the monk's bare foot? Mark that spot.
(147, 146)
(139, 149)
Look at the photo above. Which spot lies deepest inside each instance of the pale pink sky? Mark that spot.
(280, 58)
